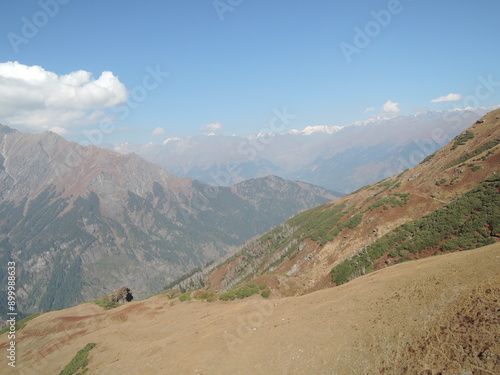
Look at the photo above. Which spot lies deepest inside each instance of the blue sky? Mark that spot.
(232, 63)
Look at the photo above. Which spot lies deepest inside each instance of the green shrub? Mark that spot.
(394, 253)
(441, 181)
(105, 304)
(394, 200)
(227, 296)
(243, 291)
(477, 151)
(20, 324)
(185, 296)
(79, 361)
(428, 158)
(462, 139)
(265, 293)
(204, 295)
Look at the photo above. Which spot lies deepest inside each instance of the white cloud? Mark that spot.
(58, 130)
(171, 140)
(33, 97)
(391, 106)
(447, 98)
(216, 126)
(158, 131)
(369, 109)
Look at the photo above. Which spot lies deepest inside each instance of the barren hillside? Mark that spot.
(438, 315)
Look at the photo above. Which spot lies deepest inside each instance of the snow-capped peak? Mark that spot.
(308, 130)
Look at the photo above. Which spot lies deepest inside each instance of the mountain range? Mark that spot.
(338, 158)
(398, 277)
(81, 221)
(448, 202)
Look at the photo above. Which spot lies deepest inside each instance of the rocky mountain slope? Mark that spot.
(81, 221)
(433, 316)
(449, 202)
(342, 159)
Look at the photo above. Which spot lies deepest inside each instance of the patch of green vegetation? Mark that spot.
(461, 139)
(350, 223)
(205, 295)
(401, 174)
(79, 361)
(265, 293)
(186, 296)
(246, 290)
(171, 293)
(441, 181)
(394, 253)
(428, 158)
(477, 151)
(104, 303)
(353, 221)
(320, 222)
(386, 182)
(20, 324)
(386, 185)
(323, 224)
(394, 200)
(470, 221)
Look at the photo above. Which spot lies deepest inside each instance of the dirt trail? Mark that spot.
(439, 314)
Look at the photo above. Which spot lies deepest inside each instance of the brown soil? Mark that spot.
(438, 315)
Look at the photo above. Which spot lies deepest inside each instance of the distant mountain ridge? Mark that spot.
(338, 158)
(449, 202)
(83, 221)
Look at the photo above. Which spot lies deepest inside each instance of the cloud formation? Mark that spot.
(216, 126)
(447, 98)
(369, 109)
(158, 131)
(391, 106)
(33, 97)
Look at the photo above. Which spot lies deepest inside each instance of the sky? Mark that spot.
(114, 71)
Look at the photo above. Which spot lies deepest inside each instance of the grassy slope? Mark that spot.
(435, 314)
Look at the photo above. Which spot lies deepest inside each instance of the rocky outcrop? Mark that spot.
(121, 295)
